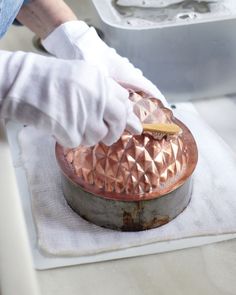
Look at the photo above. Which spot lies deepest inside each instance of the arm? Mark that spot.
(54, 22)
(72, 101)
(43, 16)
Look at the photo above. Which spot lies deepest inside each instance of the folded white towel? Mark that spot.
(62, 232)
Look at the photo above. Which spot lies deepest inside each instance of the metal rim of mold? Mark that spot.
(127, 215)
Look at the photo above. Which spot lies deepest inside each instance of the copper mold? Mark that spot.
(140, 182)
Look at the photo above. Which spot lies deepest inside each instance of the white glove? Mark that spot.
(75, 40)
(72, 101)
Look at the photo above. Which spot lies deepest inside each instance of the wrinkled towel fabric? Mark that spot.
(61, 232)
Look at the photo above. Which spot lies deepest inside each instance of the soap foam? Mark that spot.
(145, 13)
(153, 3)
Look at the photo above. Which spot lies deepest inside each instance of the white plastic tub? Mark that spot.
(186, 59)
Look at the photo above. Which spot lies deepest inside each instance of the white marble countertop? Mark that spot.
(202, 270)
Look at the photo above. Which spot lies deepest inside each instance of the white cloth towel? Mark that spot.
(61, 231)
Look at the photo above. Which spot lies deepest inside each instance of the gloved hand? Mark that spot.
(72, 101)
(75, 40)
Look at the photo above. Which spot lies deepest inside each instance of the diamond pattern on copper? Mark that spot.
(134, 164)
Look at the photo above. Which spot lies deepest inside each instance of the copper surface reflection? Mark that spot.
(135, 167)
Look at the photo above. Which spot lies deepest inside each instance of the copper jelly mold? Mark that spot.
(139, 182)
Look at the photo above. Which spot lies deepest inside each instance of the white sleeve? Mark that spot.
(71, 100)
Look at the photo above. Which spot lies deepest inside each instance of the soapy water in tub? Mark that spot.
(151, 12)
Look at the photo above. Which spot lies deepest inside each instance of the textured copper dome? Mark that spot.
(135, 167)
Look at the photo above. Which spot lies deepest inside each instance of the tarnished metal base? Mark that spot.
(127, 215)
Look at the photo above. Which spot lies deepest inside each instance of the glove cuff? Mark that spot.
(60, 41)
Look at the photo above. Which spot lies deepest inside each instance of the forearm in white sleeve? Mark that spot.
(71, 100)
(79, 41)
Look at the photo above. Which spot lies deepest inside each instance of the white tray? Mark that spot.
(43, 261)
